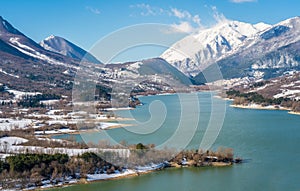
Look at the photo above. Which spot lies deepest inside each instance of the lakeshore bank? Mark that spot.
(128, 173)
(269, 107)
(260, 107)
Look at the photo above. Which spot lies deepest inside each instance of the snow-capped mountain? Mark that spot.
(21, 45)
(195, 52)
(27, 66)
(65, 47)
(270, 53)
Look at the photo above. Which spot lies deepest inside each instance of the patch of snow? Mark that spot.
(4, 72)
(66, 72)
(40, 56)
(135, 66)
(49, 102)
(52, 112)
(262, 26)
(15, 41)
(13, 140)
(297, 82)
(48, 139)
(20, 94)
(150, 167)
(119, 109)
(7, 101)
(71, 152)
(258, 74)
(47, 186)
(287, 85)
(57, 131)
(50, 37)
(9, 124)
(3, 156)
(286, 93)
(93, 177)
(108, 125)
(262, 87)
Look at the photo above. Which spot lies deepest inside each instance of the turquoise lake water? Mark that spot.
(268, 140)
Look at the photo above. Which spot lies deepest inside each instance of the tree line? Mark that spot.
(253, 97)
(31, 169)
(35, 100)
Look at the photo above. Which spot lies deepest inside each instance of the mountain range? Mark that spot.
(239, 49)
(51, 65)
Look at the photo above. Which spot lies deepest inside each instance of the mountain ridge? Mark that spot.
(65, 47)
(267, 51)
(209, 45)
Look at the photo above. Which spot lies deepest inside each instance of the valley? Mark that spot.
(68, 118)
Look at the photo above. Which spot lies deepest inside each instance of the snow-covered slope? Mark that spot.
(197, 51)
(66, 48)
(152, 68)
(18, 44)
(13, 140)
(271, 53)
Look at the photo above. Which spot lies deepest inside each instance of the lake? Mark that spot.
(267, 139)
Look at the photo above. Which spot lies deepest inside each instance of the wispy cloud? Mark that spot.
(219, 17)
(187, 22)
(93, 10)
(181, 14)
(242, 1)
(148, 10)
(183, 27)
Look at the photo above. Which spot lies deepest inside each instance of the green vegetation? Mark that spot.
(259, 84)
(34, 101)
(141, 146)
(253, 97)
(31, 169)
(25, 162)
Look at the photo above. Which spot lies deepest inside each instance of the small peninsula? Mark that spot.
(38, 171)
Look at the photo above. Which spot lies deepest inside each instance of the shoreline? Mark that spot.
(223, 98)
(77, 132)
(294, 113)
(270, 107)
(130, 173)
(259, 107)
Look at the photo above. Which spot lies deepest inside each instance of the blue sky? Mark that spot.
(86, 21)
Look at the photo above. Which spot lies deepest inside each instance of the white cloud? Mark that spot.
(93, 10)
(181, 14)
(187, 16)
(242, 1)
(186, 21)
(184, 27)
(148, 10)
(197, 20)
(219, 17)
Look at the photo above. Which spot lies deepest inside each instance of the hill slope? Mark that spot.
(65, 47)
